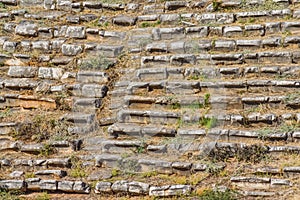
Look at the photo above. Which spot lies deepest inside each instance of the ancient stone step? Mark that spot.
(6, 127)
(50, 162)
(139, 188)
(33, 148)
(140, 131)
(137, 116)
(265, 57)
(36, 184)
(79, 118)
(28, 102)
(259, 183)
(171, 73)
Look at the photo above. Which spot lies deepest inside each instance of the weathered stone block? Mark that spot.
(272, 27)
(254, 30)
(66, 186)
(49, 4)
(157, 47)
(81, 187)
(12, 184)
(232, 31)
(29, 3)
(248, 44)
(27, 28)
(93, 90)
(110, 51)
(271, 42)
(22, 72)
(71, 49)
(9, 46)
(48, 185)
(120, 186)
(59, 173)
(103, 187)
(32, 148)
(173, 190)
(169, 18)
(174, 5)
(42, 45)
(65, 5)
(50, 73)
(138, 187)
(167, 33)
(33, 184)
(77, 32)
(124, 20)
(59, 162)
(91, 76)
(201, 31)
(224, 45)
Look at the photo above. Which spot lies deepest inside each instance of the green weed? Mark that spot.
(128, 166)
(40, 128)
(283, 128)
(218, 195)
(149, 174)
(9, 195)
(208, 122)
(77, 171)
(216, 5)
(194, 106)
(206, 99)
(114, 172)
(29, 175)
(47, 150)
(150, 24)
(292, 96)
(265, 6)
(96, 62)
(175, 105)
(43, 196)
(2, 5)
(5, 113)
